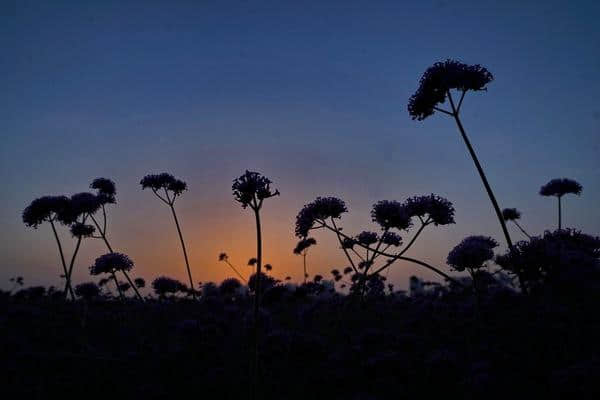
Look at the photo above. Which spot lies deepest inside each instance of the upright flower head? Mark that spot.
(391, 214)
(367, 238)
(106, 190)
(439, 209)
(511, 214)
(320, 209)
(391, 239)
(471, 253)
(87, 290)
(44, 209)
(111, 262)
(560, 187)
(223, 257)
(80, 230)
(304, 244)
(164, 181)
(252, 188)
(439, 79)
(163, 285)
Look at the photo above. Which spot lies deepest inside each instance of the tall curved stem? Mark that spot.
(62, 259)
(257, 301)
(559, 213)
(187, 263)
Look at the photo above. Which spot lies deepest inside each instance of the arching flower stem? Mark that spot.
(236, 271)
(108, 246)
(171, 203)
(62, 259)
(339, 236)
(522, 230)
(72, 263)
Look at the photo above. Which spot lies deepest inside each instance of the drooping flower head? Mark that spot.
(304, 244)
(391, 214)
(43, 209)
(511, 214)
(391, 239)
(560, 187)
(111, 262)
(472, 252)
(439, 79)
(320, 209)
(252, 188)
(106, 190)
(439, 209)
(367, 238)
(139, 283)
(80, 230)
(252, 261)
(163, 285)
(164, 181)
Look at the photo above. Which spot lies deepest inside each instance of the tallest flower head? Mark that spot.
(439, 79)
(252, 188)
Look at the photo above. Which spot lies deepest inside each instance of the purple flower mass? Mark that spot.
(164, 181)
(111, 262)
(252, 187)
(511, 214)
(439, 79)
(560, 187)
(472, 252)
(391, 214)
(320, 209)
(44, 209)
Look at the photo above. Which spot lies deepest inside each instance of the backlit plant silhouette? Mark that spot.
(225, 258)
(363, 250)
(558, 188)
(512, 214)
(110, 263)
(302, 249)
(436, 85)
(172, 189)
(50, 209)
(251, 190)
(106, 194)
(471, 254)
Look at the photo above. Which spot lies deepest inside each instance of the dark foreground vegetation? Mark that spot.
(314, 342)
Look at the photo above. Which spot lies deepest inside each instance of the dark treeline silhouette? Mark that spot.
(520, 322)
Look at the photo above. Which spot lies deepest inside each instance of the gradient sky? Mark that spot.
(313, 94)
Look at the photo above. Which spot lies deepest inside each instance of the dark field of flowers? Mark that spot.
(517, 322)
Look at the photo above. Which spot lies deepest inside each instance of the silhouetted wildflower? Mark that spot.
(560, 187)
(348, 270)
(111, 262)
(106, 190)
(317, 278)
(319, 210)
(139, 282)
(230, 286)
(471, 253)
(367, 238)
(252, 261)
(511, 214)
(124, 286)
(348, 243)
(391, 214)
(82, 230)
(266, 282)
(268, 267)
(304, 244)
(223, 257)
(391, 239)
(439, 79)
(44, 209)
(164, 285)
(252, 188)
(87, 290)
(164, 181)
(439, 209)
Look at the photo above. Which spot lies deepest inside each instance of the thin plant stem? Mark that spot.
(62, 258)
(117, 285)
(522, 230)
(304, 262)
(108, 246)
(255, 388)
(187, 263)
(559, 213)
(339, 236)
(236, 271)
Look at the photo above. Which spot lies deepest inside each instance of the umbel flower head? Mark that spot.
(111, 262)
(87, 290)
(80, 230)
(164, 181)
(81, 204)
(252, 188)
(439, 209)
(511, 214)
(391, 239)
(304, 244)
(439, 79)
(163, 285)
(106, 190)
(44, 209)
(367, 238)
(472, 252)
(223, 257)
(560, 187)
(320, 209)
(391, 214)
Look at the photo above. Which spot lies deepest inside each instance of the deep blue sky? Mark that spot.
(313, 94)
